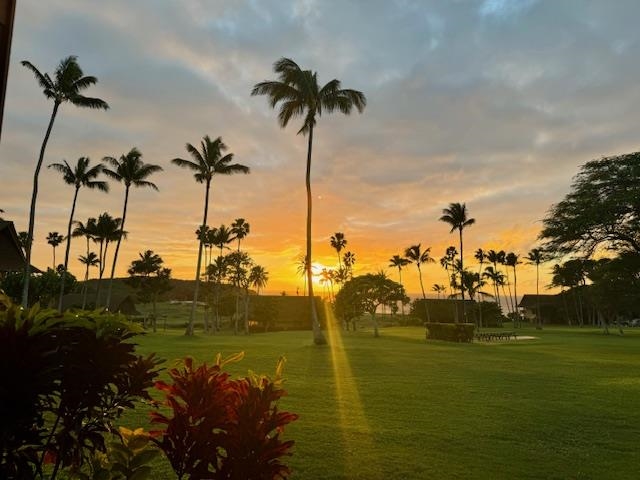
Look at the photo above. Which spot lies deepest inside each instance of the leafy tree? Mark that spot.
(65, 86)
(415, 255)
(299, 95)
(54, 239)
(456, 216)
(338, 242)
(132, 171)
(602, 210)
(80, 175)
(148, 275)
(206, 163)
(365, 293)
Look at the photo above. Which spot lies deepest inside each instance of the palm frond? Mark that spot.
(43, 80)
(145, 183)
(181, 162)
(97, 185)
(89, 102)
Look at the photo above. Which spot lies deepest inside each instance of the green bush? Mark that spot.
(451, 332)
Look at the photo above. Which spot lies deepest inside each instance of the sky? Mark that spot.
(492, 103)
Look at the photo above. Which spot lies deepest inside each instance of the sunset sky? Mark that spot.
(495, 103)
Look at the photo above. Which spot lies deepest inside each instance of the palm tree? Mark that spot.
(81, 175)
(205, 234)
(240, 229)
(107, 230)
(258, 277)
(349, 260)
(398, 262)
(206, 163)
(65, 86)
(302, 271)
(481, 256)
(338, 242)
(132, 171)
(299, 95)
(438, 289)
(456, 216)
(511, 260)
(415, 255)
(536, 256)
(90, 260)
(54, 239)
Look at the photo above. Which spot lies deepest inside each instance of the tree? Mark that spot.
(456, 216)
(299, 95)
(338, 242)
(132, 171)
(365, 293)
(438, 289)
(415, 255)
(537, 256)
(398, 262)
(206, 163)
(240, 229)
(65, 86)
(602, 210)
(90, 260)
(512, 260)
(349, 260)
(302, 271)
(54, 239)
(107, 230)
(149, 276)
(80, 175)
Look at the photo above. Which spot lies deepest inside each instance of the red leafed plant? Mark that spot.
(220, 428)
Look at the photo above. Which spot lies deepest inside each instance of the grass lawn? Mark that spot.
(562, 406)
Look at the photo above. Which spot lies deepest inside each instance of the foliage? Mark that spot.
(150, 278)
(43, 288)
(66, 378)
(451, 332)
(223, 428)
(601, 210)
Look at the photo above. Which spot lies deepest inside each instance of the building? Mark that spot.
(12, 257)
(7, 13)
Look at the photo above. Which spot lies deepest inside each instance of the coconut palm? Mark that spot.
(497, 278)
(299, 95)
(398, 262)
(438, 289)
(132, 171)
(258, 277)
(87, 231)
(107, 230)
(206, 163)
(90, 260)
(240, 229)
(536, 256)
(349, 260)
(338, 242)
(65, 86)
(512, 260)
(54, 239)
(80, 175)
(415, 255)
(302, 271)
(456, 216)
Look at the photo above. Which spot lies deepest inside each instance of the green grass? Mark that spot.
(563, 406)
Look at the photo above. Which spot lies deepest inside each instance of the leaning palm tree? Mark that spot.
(54, 239)
(415, 255)
(65, 86)
(398, 262)
(90, 260)
(299, 95)
(80, 175)
(206, 163)
(456, 216)
(536, 256)
(338, 242)
(240, 229)
(132, 171)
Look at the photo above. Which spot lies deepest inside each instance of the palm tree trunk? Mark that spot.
(189, 330)
(32, 210)
(66, 253)
(538, 318)
(424, 296)
(515, 295)
(115, 254)
(318, 337)
(100, 270)
(402, 303)
(464, 316)
(86, 287)
(54, 257)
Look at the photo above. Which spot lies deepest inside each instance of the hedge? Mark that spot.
(450, 332)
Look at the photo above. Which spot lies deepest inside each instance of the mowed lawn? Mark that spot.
(563, 406)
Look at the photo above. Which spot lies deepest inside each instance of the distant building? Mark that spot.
(7, 12)
(552, 308)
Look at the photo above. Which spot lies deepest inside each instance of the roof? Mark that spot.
(12, 257)
(531, 301)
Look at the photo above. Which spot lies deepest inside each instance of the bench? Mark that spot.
(490, 336)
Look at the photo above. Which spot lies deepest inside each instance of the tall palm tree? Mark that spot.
(206, 163)
(54, 239)
(512, 260)
(132, 171)
(65, 86)
(240, 229)
(338, 242)
(302, 271)
(398, 262)
(494, 258)
(107, 230)
(258, 277)
(536, 256)
(415, 255)
(438, 289)
(481, 256)
(349, 260)
(456, 216)
(90, 260)
(299, 95)
(80, 175)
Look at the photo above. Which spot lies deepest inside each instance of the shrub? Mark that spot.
(451, 332)
(223, 428)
